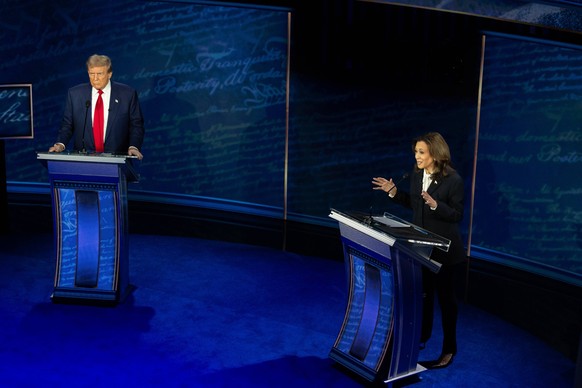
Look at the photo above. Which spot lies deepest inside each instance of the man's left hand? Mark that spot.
(132, 151)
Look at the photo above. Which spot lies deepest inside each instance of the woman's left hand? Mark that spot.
(428, 200)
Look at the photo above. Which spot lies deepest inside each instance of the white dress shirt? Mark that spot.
(426, 180)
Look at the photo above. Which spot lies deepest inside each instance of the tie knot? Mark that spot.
(100, 91)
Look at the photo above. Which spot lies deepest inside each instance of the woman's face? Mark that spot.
(424, 159)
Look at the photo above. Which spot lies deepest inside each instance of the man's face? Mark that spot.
(99, 76)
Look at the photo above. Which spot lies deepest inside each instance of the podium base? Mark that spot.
(419, 368)
(369, 374)
(90, 297)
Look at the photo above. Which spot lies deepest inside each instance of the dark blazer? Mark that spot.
(124, 124)
(448, 191)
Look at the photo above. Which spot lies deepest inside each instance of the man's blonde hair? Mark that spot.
(97, 60)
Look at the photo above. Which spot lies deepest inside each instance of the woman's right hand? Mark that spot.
(384, 184)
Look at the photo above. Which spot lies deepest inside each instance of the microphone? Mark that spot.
(403, 177)
(87, 105)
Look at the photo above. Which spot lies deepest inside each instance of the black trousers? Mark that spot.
(443, 286)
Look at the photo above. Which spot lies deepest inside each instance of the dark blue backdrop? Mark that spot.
(220, 131)
(527, 199)
(212, 82)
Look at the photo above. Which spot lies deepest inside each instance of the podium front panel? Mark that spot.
(365, 335)
(85, 255)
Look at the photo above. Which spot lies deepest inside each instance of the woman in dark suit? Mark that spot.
(436, 199)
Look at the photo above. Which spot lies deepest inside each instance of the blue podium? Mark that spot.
(384, 255)
(89, 198)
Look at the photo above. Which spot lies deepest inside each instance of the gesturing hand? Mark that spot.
(428, 199)
(384, 184)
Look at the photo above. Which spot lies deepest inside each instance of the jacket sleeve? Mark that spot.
(136, 124)
(67, 123)
(451, 207)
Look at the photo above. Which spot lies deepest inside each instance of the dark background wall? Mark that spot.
(225, 157)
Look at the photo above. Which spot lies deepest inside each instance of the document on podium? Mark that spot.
(390, 222)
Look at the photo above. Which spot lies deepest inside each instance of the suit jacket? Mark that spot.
(124, 124)
(448, 191)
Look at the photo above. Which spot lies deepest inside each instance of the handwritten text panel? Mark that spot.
(528, 187)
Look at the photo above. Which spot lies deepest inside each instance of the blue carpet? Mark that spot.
(216, 314)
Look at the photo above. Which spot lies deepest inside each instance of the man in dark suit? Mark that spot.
(110, 106)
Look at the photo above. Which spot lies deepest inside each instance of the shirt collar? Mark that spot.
(106, 89)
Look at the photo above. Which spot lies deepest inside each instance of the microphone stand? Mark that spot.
(87, 105)
(403, 177)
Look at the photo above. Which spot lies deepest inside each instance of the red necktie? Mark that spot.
(98, 123)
